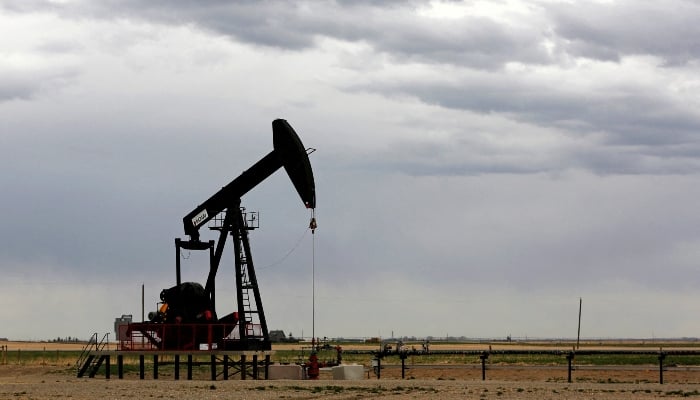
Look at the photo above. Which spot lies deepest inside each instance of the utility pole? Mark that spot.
(143, 303)
(578, 337)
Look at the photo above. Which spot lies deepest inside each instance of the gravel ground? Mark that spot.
(45, 382)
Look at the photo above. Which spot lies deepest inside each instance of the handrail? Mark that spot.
(191, 337)
(104, 342)
(86, 351)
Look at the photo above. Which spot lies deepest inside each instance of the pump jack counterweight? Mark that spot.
(187, 317)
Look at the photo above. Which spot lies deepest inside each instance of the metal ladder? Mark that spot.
(89, 361)
(250, 315)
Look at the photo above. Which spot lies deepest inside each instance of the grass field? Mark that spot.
(47, 370)
(66, 354)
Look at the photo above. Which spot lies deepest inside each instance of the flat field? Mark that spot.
(46, 371)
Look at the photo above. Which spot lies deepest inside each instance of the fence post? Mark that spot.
(484, 356)
(189, 367)
(662, 356)
(108, 368)
(403, 365)
(244, 370)
(569, 358)
(225, 367)
(255, 366)
(177, 367)
(155, 366)
(141, 367)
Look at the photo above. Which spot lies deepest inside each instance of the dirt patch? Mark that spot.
(53, 380)
(50, 382)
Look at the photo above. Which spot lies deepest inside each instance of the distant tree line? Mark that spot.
(67, 339)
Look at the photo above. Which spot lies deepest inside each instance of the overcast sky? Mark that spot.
(480, 165)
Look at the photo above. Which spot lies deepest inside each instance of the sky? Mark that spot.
(480, 166)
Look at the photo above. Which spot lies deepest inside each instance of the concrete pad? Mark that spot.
(277, 371)
(349, 372)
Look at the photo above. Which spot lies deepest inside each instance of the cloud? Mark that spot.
(610, 31)
(609, 118)
(470, 34)
(398, 29)
(511, 151)
(31, 65)
(628, 116)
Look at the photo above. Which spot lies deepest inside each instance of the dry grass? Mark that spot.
(45, 379)
(48, 382)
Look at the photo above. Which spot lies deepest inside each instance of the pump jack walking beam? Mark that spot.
(288, 152)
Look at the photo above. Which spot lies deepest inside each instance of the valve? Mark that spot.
(313, 367)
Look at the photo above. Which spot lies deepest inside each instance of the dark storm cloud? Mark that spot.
(604, 31)
(633, 116)
(392, 28)
(622, 129)
(636, 123)
(636, 126)
(609, 31)
(469, 42)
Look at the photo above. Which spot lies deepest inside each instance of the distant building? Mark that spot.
(124, 320)
(277, 336)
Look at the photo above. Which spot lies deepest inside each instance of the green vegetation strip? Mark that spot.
(68, 358)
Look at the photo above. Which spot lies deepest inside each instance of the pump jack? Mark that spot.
(187, 317)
